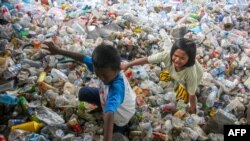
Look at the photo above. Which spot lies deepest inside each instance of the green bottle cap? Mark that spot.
(195, 16)
(22, 100)
(24, 33)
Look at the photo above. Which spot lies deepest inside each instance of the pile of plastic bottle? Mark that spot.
(38, 91)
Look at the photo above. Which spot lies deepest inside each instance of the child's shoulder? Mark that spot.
(119, 78)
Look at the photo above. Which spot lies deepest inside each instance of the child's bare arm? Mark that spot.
(108, 125)
(56, 50)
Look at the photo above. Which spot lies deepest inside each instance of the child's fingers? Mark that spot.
(48, 43)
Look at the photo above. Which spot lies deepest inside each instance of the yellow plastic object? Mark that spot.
(65, 6)
(31, 126)
(3, 64)
(44, 86)
(180, 114)
(137, 30)
(2, 60)
(41, 77)
(212, 112)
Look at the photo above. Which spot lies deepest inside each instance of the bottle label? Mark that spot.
(181, 93)
(75, 126)
(165, 76)
(167, 107)
(12, 122)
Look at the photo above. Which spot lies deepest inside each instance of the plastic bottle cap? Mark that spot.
(4, 10)
(22, 100)
(37, 44)
(24, 33)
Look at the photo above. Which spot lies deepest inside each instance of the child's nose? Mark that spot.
(177, 59)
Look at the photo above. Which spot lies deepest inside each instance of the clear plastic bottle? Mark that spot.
(58, 75)
(51, 95)
(247, 83)
(228, 83)
(61, 101)
(232, 105)
(156, 89)
(224, 117)
(6, 13)
(11, 71)
(7, 86)
(78, 28)
(212, 97)
(177, 123)
(140, 73)
(167, 126)
(48, 116)
(216, 137)
(31, 63)
(17, 27)
(17, 135)
(87, 137)
(192, 134)
(41, 37)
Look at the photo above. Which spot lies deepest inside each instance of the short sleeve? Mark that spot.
(159, 57)
(116, 95)
(88, 61)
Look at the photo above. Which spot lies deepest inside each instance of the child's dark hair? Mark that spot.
(106, 56)
(188, 46)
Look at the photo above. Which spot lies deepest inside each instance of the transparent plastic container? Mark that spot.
(9, 85)
(212, 97)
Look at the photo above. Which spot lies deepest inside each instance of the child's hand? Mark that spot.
(52, 48)
(124, 66)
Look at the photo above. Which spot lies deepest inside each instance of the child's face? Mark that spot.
(179, 59)
(105, 74)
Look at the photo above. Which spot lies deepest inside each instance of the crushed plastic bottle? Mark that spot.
(6, 13)
(8, 99)
(48, 116)
(212, 97)
(222, 117)
(11, 71)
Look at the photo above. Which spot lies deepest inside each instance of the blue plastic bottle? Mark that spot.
(8, 99)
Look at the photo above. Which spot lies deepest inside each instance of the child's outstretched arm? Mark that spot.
(108, 118)
(193, 103)
(54, 50)
(139, 61)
